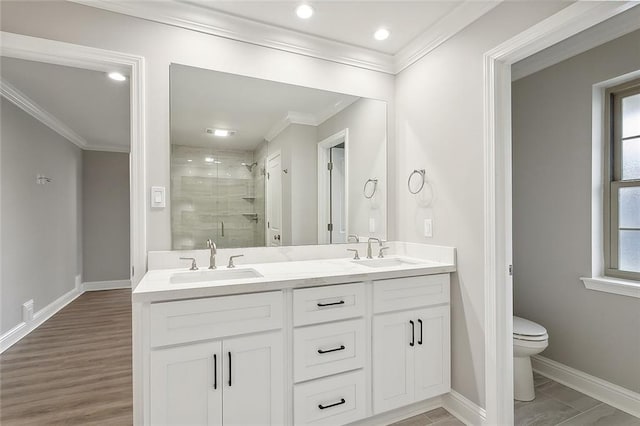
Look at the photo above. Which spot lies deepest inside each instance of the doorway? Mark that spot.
(274, 200)
(333, 175)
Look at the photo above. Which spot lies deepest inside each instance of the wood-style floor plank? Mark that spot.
(75, 369)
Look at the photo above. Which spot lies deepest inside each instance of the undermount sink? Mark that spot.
(384, 263)
(213, 275)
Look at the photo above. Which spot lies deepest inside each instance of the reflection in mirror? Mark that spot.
(259, 163)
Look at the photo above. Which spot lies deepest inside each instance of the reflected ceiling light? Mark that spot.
(304, 11)
(381, 34)
(221, 133)
(188, 161)
(209, 159)
(117, 76)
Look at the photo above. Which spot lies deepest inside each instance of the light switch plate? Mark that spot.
(428, 228)
(158, 197)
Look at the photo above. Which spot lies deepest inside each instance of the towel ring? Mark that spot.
(420, 172)
(375, 187)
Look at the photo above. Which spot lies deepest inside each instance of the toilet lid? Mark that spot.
(523, 327)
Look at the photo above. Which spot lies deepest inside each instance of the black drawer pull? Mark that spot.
(229, 369)
(322, 407)
(420, 340)
(413, 333)
(320, 305)
(341, 348)
(215, 371)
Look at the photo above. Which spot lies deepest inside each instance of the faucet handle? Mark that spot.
(381, 252)
(355, 256)
(231, 265)
(194, 267)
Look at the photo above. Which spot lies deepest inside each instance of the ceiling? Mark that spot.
(86, 107)
(339, 31)
(351, 22)
(254, 108)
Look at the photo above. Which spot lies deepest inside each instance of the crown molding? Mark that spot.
(204, 20)
(449, 25)
(28, 105)
(23, 102)
(195, 17)
(616, 27)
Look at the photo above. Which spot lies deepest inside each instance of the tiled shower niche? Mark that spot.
(216, 194)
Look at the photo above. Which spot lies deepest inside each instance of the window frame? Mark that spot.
(612, 176)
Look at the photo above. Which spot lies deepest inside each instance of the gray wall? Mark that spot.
(105, 216)
(588, 330)
(41, 224)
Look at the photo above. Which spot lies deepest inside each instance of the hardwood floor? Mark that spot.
(75, 368)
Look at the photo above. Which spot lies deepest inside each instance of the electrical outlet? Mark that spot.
(428, 228)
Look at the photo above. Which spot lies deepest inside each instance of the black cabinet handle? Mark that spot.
(341, 348)
(413, 333)
(420, 340)
(322, 407)
(215, 371)
(229, 369)
(320, 305)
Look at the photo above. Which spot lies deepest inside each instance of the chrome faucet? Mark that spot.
(231, 265)
(194, 267)
(353, 237)
(212, 256)
(369, 256)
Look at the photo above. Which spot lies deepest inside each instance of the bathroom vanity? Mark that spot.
(297, 342)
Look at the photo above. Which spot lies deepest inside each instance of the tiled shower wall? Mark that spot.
(214, 196)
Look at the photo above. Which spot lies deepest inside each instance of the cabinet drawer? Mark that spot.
(321, 350)
(412, 292)
(201, 319)
(332, 401)
(330, 303)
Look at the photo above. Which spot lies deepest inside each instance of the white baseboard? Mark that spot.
(614, 395)
(401, 413)
(14, 335)
(105, 285)
(466, 411)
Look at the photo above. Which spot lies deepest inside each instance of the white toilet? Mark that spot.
(529, 339)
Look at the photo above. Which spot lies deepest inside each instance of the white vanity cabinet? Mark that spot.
(230, 380)
(411, 347)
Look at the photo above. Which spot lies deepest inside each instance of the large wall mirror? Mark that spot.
(258, 163)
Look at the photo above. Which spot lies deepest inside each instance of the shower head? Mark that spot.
(250, 166)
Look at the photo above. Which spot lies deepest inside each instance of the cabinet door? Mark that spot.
(393, 381)
(184, 387)
(253, 380)
(432, 352)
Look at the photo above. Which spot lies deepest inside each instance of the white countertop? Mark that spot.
(156, 285)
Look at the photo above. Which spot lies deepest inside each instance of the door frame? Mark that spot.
(323, 186)
(79, 56)
(497, 146)
(268, 198)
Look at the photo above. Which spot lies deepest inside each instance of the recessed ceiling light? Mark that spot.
(304, 11)
(222, 133)
(188, 161)
(209, 159)
(117, 76)
(381, 34)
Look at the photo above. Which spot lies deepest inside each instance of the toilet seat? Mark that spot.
(528, 331)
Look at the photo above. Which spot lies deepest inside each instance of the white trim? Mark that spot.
(605, 32)
(455, 21)
(105, 285)
(205, 20)
(22, 101)
(465, 410)
(18, 332)
(56, 52)
(498, 307)
(613, 285)
(607, 392)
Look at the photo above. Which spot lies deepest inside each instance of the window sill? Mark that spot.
(622, 287)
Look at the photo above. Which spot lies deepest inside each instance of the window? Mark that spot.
(622, 190)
